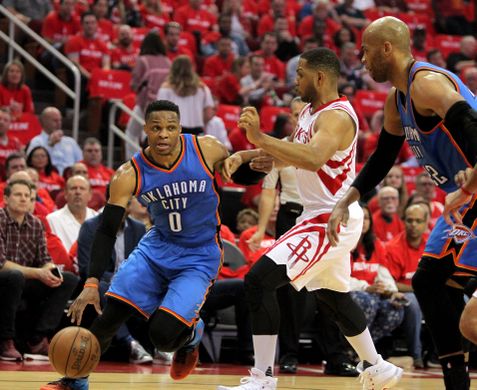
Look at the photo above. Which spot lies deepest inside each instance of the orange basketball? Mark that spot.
(74, 352)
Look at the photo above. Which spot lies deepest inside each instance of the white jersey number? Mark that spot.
(175, 222)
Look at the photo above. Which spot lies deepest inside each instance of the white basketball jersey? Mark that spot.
(321, 190)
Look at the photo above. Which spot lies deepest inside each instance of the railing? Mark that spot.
(113, 130)
(14, 46)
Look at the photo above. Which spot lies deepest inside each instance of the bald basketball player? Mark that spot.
(434, 112)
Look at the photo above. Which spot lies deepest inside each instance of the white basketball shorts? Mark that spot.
(311, 260)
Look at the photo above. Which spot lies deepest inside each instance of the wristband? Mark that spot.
(467, 192)
(92, 285)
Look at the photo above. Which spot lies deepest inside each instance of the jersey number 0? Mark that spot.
(175, 222)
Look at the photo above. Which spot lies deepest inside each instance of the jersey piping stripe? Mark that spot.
(446, 130)
(125, 300)
(201, 156)
(138, 176)
(173, 167)
(179, 317)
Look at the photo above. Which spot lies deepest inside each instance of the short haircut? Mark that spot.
(161, 105)
(13, 156)
(91, 141)
(8, 188)
(86, 14)
(324, 59)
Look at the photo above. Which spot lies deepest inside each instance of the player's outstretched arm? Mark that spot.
(122, 187)
(380, 162)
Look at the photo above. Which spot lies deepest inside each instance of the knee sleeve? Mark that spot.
(167, 333)
(345, 312)
(260, 292)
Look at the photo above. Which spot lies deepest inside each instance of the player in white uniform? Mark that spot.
(323, 152)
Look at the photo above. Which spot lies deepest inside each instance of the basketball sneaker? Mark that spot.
(164, 358)
(67, 384)
(379, 376)
(185, 358)
(137, 354)
(38, 351)
(9, 352)
(256, 381)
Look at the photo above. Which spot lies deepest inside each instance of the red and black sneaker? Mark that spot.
(185, 359)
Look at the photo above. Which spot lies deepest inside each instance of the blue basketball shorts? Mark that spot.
(163, 275)
(459, 241)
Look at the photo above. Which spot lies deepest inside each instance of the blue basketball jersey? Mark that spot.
(182, 200)
(438, 149)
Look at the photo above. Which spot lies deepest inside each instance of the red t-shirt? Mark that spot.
(216, 66)
(273, 65)
(121, 56)
(228, 87)
(253, 256)
(305, 28)
(18, 96)
(227, 234)
(153, 19)
(267, 24)
(52, 183)
(386, 231)
(195, 20)
(367, 270)
(402, 259)
(105, 30)
(239, 141)
(99, 176)
(56, 29)
(11, 145)
(90, 51)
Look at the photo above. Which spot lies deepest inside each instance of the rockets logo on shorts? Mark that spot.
(460, 233)
(299, 251)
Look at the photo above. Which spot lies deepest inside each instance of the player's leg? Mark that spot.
(261, 284)
(376, 373)
(442, 317)
(468, 321)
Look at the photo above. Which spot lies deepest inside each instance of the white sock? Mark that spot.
(264, 347)
(364, 346)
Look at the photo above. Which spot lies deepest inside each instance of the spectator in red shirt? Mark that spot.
(105, 26)
(154, 14)
(404, 253)
(124, 54)
(85, 49)
(272, 64)
(98, 174)
(386, 221)
(61, 24)
(229, 90)
(217, 64)
(278, 9)
(14, 93)
(40, 159)
(194, 19)
(323, 14)
(174, 48)
(8, 144)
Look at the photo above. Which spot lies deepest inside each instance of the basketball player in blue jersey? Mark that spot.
(167, 277)
(434, 112)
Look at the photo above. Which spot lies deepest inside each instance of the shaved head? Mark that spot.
(389, 29)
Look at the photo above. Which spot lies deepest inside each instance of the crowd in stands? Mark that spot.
(211, 58)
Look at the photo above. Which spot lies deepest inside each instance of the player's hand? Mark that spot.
(263, 163)
(454, 201)
(89, 296)
(250, 121)
(339, 216)
(461, 177)
(254, 242)
(230, 165)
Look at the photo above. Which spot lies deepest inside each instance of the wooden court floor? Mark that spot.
(117, 376)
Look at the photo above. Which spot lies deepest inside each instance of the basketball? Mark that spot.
(74, 352)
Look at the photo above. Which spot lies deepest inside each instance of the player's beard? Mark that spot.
(309, 94)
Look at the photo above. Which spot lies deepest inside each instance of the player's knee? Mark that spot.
(253, 290)
(166, 332)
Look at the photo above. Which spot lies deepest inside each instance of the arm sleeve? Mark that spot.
(380, 162)
(247, 176)
(104, 239)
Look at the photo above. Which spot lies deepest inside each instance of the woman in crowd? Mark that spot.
(149, 73)
(14, 93)
(184, 87)
(48, 176)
